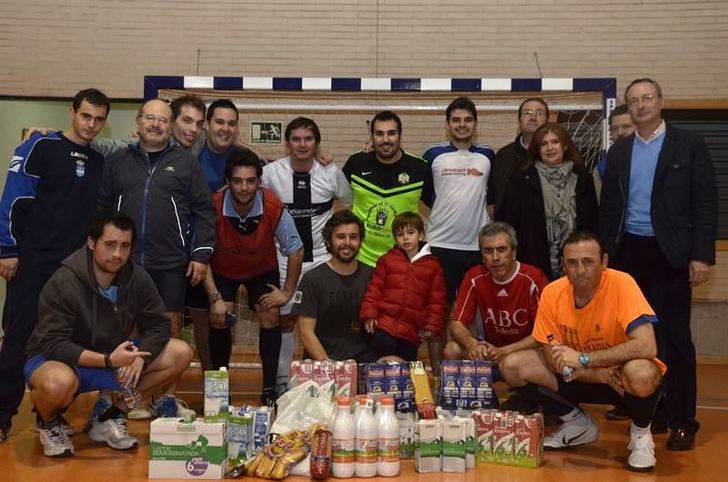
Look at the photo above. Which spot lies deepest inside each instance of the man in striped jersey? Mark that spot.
(308, 188)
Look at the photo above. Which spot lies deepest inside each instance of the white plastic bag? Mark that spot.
(301, 407)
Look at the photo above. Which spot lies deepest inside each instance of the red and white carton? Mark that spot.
(345, 378)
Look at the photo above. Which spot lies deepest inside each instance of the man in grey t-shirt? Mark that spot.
(328, 297)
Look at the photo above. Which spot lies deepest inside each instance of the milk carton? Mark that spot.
(217, 394)
(528, 440)
(428, 449)
(262, 421)
(182, 450)
(393, 375)
(504, 437)
(345, 378)
(407, 430)
(238, 438)
(469, 442)
(484, 435)
(466, 384)
(449, 374)
(454, 433)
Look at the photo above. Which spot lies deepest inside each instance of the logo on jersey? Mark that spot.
(169, 168)
(366, 173)
(80, 155)
(80, 168)
(298, 297)
(15, 164)
(301, 184)
(403, 178)
(503, 292)
(474, 172)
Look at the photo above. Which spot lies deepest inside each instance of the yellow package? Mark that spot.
(424, 400)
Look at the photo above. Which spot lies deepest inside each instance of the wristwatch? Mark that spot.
(584, 359)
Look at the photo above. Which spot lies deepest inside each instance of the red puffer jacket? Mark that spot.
(406, 296)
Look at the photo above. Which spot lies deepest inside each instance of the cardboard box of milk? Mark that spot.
(469, 442)
(217, 395)
(454, 433)
(183, 450)
(428, 448)
(504, 437)
(528, 440)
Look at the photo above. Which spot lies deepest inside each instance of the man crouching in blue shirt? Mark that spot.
(87, 313)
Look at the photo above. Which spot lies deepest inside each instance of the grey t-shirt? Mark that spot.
(334, 301)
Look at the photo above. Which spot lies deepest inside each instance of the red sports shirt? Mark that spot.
(508, 309)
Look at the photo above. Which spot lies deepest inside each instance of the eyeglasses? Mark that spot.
(647, 98)
(152, 118)
(534, 113)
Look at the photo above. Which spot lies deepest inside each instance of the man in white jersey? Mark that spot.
(460, 172)
(308, 189)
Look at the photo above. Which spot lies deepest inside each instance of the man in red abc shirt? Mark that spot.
(505, 292)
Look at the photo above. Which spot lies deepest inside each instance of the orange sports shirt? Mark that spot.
(617, 308)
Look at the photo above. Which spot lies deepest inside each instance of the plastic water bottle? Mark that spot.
(567, 373)
(344, 436)
(367, 433)
(388, 464)
(129, 393)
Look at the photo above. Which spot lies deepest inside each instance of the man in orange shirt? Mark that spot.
(598, 347)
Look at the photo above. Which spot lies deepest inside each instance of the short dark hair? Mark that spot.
(303, 123)
(340, 218)
(241, 157)
(621, 109)
(494, 229)
(658, 89)
(407, 219)
(463, 103)
(534, 99)
(190, 99)
(117, 219)
(582, 236)
(222, 104)
(386, 115)
(93, 97)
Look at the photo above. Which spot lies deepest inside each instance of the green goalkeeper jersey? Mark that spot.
(381, 191)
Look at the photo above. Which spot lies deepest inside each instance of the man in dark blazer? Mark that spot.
(657, 220)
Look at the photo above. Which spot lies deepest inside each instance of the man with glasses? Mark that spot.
(161, 187)
(532, 114)
(657, 220)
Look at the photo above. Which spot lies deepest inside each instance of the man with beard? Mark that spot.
(328, 297)
(249, 222)
(532, 114)
(385, 182)
(48, 200)
(162, 188)
(87, 312)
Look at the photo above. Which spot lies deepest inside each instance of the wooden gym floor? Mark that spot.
(604, 460)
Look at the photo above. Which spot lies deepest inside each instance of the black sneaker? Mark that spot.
(616, 413)
(4, 431)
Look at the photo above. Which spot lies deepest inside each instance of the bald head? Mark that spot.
(153, 125)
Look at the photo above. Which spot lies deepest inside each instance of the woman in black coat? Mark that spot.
(548, 199)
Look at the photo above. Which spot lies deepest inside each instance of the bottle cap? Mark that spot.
(388, 401)
(342, 401)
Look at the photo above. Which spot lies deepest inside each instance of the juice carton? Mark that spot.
(407, 422)
(345, 378)
(484, 435)
(504, 437)
(428, 449)
(217, 394)
(483, 385)
(183, 450)
(466, 384)
(375, 380)
(406, 401)
(528, 440)
(392, 375)
(449, 391)
(454, 433)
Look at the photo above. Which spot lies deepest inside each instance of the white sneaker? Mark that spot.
(139, 413)
(54, 440)
(67, 427)
(641, 452)
(113, 432)
(579, 430)
(184, 411)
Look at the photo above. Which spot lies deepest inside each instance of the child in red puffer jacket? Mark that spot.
(406, 298)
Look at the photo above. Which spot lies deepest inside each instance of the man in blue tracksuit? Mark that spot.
(49, 197)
